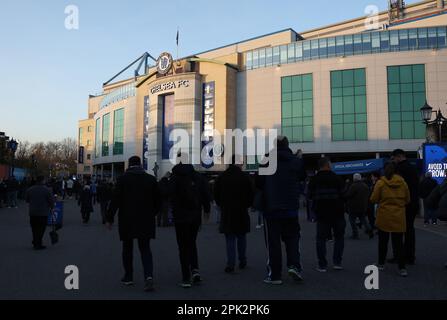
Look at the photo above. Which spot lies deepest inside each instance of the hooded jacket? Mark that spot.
(392, 196)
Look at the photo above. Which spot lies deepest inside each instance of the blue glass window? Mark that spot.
(403, 39)
(384, 41)
(331, 47)
(375, 42)
(349, 45)
(314, 49)
(441, 37)
(268, 57)
(255, 59)
(366, 39)
(306, 50)
(323, 48)
(249, 60)
(261, 58)
(340, 44)
(291, 53)
(299, 51)
(283, 53)
(276, 55)
(432, 38)
(413, 39)
(358, 44)
(394, 40)
(422, 38)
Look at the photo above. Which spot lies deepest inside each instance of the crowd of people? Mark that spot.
(387, 206)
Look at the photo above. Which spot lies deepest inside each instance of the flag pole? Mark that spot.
(177, 38)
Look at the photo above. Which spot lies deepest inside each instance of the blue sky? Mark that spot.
(47, 71)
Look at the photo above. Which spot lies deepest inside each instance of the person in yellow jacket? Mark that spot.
(391, 193)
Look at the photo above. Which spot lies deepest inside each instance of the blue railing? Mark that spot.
(348, 45)
(119, 94)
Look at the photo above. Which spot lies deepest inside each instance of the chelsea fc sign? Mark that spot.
(164, 63)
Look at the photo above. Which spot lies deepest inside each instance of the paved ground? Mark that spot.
(26, 274)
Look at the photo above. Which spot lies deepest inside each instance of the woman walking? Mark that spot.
(391, 193)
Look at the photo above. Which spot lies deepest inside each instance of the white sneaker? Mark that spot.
(337, 267)
(322, 270)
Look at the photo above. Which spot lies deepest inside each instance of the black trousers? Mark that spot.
(409, 242)
(186, 240)
(146, 257)
(398, 247)
(38, 226)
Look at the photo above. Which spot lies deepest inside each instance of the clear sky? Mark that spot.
(47, 71)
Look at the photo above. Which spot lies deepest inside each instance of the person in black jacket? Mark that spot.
(163, 184)
(136, 198)
(326, 191)
(104, 196)
(407, 171)
(233, 193)
(189, 193)
(427, 185)
(280, 195)
(85, 201)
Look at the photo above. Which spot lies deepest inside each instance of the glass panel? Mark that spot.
(261, 58)
(255, 59)
(432, 38)
(308, 133)
(323, 48)
(441, 37)
(291, 53)
(361, 131)
(276, 55)
(105, 134)
(336, 79)
(340, 46)
(359, 77)
(299, 51)
(249, 60)
(349, 131)
(314, 49)
(331, 47)
(422, 38)
(419, 73)
(406, 74)
(394, 40)
(269, 57)
(384, 41)
(98, 138)
(407, 130)
(337, 132)
(366, 40)
(358, 44)
(403, 39)
(306, 50)
(283, 52)
(118, 132)
(349, 45)
(286, 84)
(297, 84)
(307, 82)
(375, 42)
(413, 39)
(348, 78)
(393, 75)
(395, 130)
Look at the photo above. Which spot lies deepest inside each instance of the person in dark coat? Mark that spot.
(280, 195)
(427, 185)
(357, 198)
(104, 196)
(136, 198)
(163, 184)
(326, 191)
(41, 202)
(3, 190)
(190, 195)
(86, 203)
(12, 189)
(407, 171)
(233, 193)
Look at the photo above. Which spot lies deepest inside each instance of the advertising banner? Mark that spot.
(208, 123)
(146, 134)
(435, 160)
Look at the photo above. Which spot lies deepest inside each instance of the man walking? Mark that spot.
(137, 199)
(233, 193)
(41, 202)
(357, 198)
(280, 197)
(326, 191)
(189, 193)
(407, 171)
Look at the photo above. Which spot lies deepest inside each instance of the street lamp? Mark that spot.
(426, 114)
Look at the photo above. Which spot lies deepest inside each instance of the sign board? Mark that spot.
(146, 133)
(208, 123)
(360, 166)
(81, 155)
(435, 160)
(164, 63)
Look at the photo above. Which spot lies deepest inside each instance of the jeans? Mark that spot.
(231, 249)
(287, 230)
(12, 199)
(324, 230)
(38, 226)
(146, 257)
(430, 215)
(353, 220)
(186, 240)
(397, 240)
